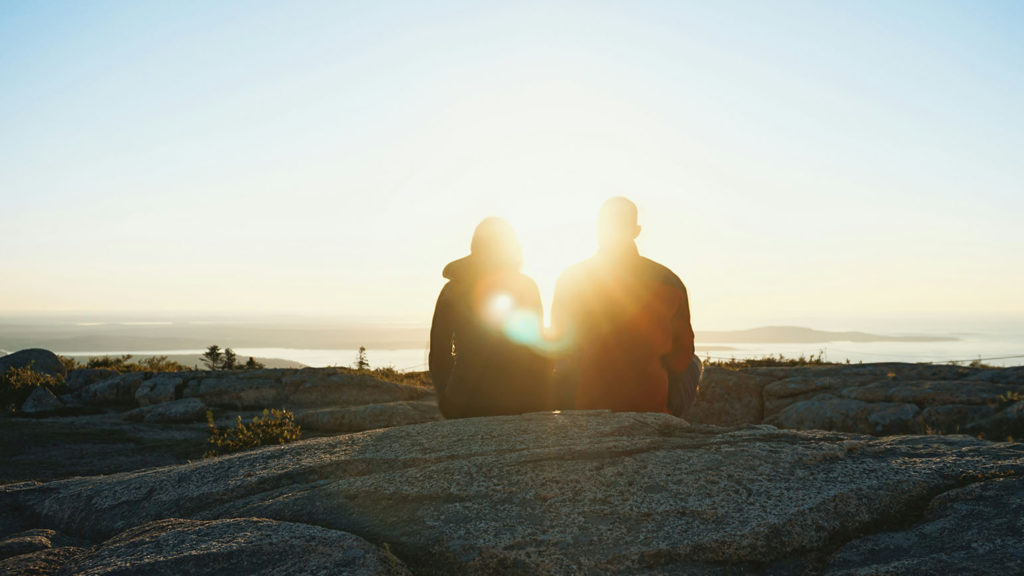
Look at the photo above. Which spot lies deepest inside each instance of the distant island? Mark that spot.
(801, 335)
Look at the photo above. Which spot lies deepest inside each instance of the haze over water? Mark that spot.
(402, 344)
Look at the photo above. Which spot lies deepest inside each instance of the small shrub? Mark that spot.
(69, 363)
(17, 384)
(1008, 398)
(123, 364)
(274, 427)
(120, 363)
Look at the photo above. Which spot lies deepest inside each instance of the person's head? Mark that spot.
(617, 223)
(495, 242)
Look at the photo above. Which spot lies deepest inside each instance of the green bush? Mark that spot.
(17, 384)
(274, 427)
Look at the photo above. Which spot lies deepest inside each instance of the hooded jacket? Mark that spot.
(626, 322)
(481, 361)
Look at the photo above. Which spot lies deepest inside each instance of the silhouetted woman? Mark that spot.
(485, 329)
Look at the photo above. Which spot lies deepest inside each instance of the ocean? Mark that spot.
(998, 342)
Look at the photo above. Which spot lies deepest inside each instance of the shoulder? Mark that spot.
(662, 274)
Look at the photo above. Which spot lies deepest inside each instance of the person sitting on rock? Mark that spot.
(486, 328)
(625, 320)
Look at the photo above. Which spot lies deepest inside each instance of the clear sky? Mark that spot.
(802, 162)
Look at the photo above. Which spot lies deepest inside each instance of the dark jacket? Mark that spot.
(477, 366)
(626, 320)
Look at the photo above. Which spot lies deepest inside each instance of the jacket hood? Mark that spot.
(472, 266)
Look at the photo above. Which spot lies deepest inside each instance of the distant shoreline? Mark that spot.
(801, 335)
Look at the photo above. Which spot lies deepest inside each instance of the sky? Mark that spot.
(824, 164)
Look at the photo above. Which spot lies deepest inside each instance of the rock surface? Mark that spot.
(878, 399)
(41, 401)
(178, 411)
(42, 361)
(582, 492)
(26, 542)
(368, 417)
(235, 546)
(41, 563)
(83, 377)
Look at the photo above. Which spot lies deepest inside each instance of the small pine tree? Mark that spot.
(252, 364)
(213, 358)
(361, 362)
(230, 361)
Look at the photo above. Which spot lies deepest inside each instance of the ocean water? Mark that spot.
(995, 350)
(404, 360)
(997, 341)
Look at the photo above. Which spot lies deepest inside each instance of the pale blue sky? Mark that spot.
(793, 161)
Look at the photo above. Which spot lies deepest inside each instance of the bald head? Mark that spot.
(617, 223)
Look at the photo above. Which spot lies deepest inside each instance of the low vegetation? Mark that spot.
(124, 364)
(273, 427)
(387, 373)
(16, 384)
(769, 362)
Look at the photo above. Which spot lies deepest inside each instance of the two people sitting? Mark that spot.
(620, 339)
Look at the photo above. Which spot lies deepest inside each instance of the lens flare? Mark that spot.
(499, 306)
(523, 327)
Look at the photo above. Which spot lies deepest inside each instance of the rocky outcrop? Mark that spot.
(876, 399)
(82, 377)
(234, 546)
(41, 361)
(117, 391)
(160, 388)
(251, 389)
(174, 412)
(577, 492)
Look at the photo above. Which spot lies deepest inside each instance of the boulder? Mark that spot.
(234, 546)
(1006, 424)
(78, 379)
(831, 413)
(240, 390)
(561, 493)
(175, 412)
(954, 419)
(40, 360)
(729, 398)
(358, 418)
(117, 391)
(160, 388)
(41, 401)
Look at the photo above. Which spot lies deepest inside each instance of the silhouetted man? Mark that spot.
(626, 321)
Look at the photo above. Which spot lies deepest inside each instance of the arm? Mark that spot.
(441, 331)
(563, 328)
(682, 336)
